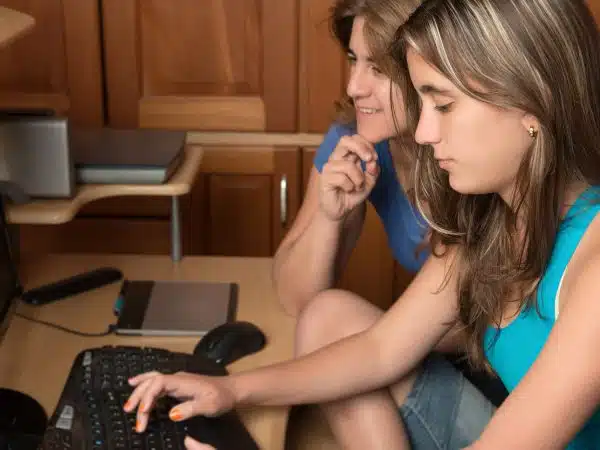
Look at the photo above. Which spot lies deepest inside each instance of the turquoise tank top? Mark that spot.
(512, 351)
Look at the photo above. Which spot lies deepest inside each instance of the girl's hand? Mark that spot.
(191, 444)
(205, 395)
(343, 182)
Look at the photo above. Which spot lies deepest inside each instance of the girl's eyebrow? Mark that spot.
(431, 89)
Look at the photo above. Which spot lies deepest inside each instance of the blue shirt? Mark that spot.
(513, 350)
(404, 226)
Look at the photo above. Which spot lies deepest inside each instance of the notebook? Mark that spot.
(133, 156)
(175, 308)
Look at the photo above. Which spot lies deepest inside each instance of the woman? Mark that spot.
(332, 214)
(315, 251)
(509, 121)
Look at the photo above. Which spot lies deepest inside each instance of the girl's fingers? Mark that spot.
(153, 391)
(136, 395)
(192, 444)
(134, 381)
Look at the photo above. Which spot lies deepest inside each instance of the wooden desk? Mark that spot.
(36, 359)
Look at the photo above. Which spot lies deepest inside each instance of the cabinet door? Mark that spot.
(245, 200)
(57, 65)
(594, 6)
(370, 269)
(323, 67)
(201, 65)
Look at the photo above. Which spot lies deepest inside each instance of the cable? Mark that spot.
(110, 330)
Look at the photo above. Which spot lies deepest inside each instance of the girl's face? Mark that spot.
(480, 145)
(371, 92)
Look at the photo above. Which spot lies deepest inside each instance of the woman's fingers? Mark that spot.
(372, 169)
(353, 172)
(354, 145)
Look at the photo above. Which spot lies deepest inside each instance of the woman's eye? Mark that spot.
(351, 59)
(376, 70)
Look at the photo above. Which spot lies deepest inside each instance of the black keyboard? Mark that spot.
(90, 416)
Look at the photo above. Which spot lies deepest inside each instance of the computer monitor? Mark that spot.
(22, 418)
(10, 287)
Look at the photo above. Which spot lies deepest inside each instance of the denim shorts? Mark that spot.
(444, 411)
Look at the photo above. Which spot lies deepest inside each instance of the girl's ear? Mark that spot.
(531, 125)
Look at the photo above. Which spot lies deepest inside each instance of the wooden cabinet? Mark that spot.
(594, 6)
(57, 65)
(245, 200)
(201, 65)
(323, 67)
(112, 225)
(242, 204)
(260, 66)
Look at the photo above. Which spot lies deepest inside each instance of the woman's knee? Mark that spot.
(330, 316)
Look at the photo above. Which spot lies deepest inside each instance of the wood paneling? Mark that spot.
(237, 203)
(239, 215)
(57, 65)
(594, 6)
(214, 65)
(214, 113)
(322, 67)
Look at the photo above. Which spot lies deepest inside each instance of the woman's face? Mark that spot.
(480, 145)
(370, 91)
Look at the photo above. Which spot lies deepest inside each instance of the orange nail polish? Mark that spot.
(138, 426)
(142, 408)
(175, 415)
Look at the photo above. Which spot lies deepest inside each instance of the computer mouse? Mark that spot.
(231, 341)
(22, 421)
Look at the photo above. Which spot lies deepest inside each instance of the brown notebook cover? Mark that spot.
(107, 155)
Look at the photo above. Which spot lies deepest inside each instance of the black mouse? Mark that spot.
(231, 341)
(22, 421)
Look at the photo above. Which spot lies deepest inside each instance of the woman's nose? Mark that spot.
(358, 83)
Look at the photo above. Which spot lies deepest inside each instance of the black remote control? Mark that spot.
(71, 286)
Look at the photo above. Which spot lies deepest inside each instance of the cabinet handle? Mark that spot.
(283, 200)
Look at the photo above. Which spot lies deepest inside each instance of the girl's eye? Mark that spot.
(351, 59)
(444, 108)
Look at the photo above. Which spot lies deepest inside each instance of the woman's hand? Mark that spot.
(205, 395)
(343, 182)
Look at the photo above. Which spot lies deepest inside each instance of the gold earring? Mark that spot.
(532, 132)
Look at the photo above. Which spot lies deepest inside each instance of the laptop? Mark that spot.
(174, 308)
